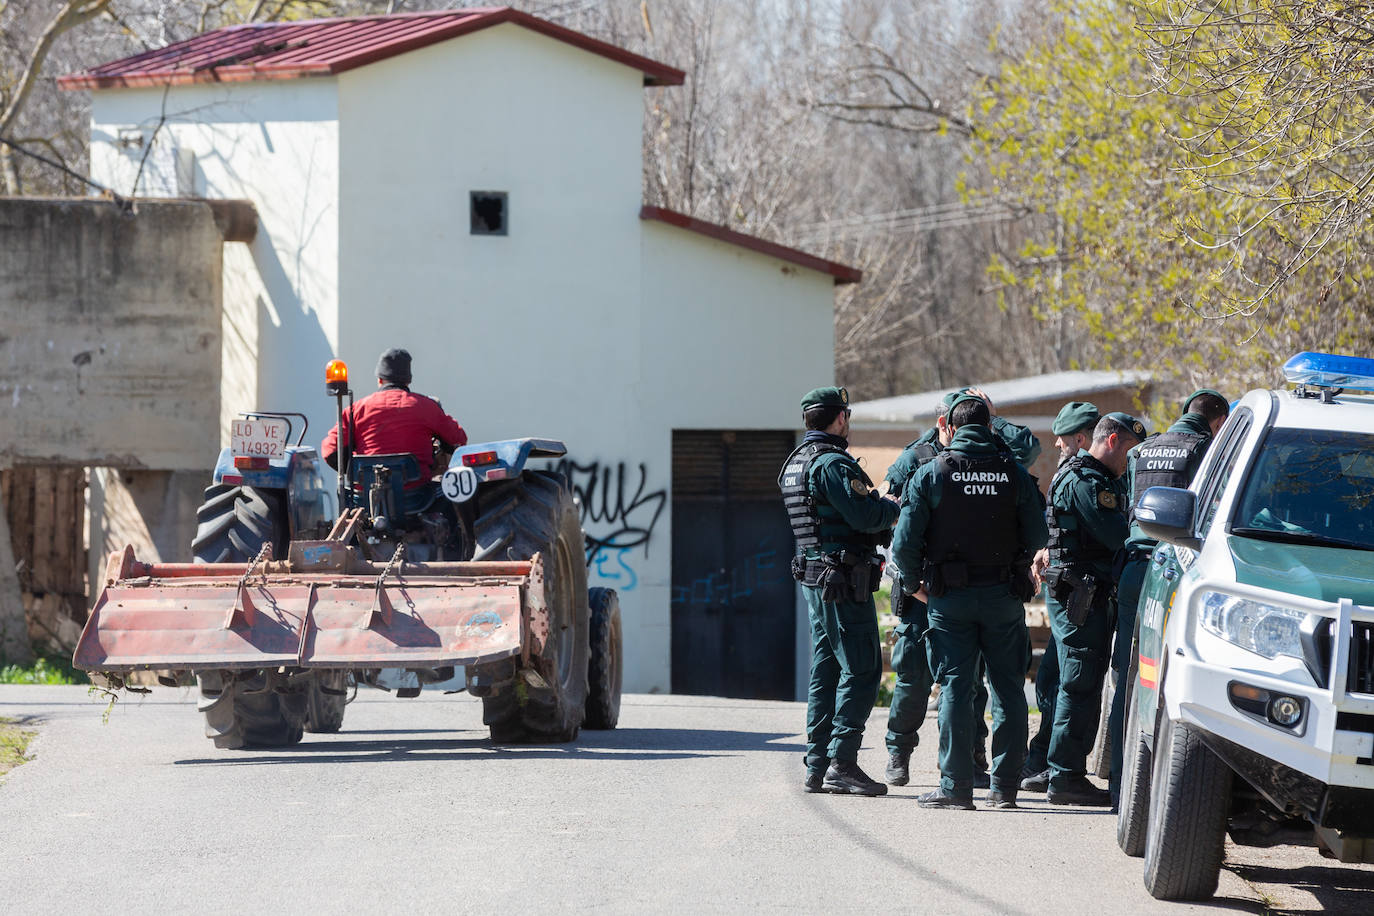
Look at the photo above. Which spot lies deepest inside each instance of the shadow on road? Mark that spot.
(619, 744)
(1336, 888)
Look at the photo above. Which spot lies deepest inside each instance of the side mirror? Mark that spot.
(1166, 514)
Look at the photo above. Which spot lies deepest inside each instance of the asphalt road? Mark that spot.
(694, 804)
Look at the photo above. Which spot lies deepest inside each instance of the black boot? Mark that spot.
(845, 778)
(1002, 798)
(815, 775)
(899, 768)
(1037, 783)
(937, 798)
(1076, 790)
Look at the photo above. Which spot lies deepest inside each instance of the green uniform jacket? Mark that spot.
(1193, 423)
(1025, 448)
(1100, 507)
(923, 493)
(836, 480)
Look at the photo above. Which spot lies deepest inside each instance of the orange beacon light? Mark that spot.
(336, 376)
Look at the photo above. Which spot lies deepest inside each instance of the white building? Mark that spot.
(467, 185)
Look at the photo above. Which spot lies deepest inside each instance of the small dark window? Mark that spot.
(489, 215)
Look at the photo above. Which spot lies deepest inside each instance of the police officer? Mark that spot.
(971, 519)
(839, 521)
(1073, 432)
(1087, 525)
(911, 688)
(1169, 459)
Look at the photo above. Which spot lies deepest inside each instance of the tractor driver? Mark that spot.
(393, 420)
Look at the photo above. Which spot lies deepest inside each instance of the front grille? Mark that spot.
(1361, 676)
(1316, 650)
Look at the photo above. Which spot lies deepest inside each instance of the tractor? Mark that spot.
(289, 603)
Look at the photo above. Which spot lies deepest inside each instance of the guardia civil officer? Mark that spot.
(1073, 432)
(839, 521)
(1087, 523)
(1169, 459)
(971, 520)
(911, 688)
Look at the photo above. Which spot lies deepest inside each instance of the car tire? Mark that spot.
(1190, 796)
(1133, 806)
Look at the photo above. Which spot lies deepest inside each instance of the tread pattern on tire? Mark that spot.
(518, 518)
(324, 712)
(605, 665)
(1134, 804)
(1190, 798)
(231, 526)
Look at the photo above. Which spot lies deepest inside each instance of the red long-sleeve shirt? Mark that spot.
(392, 421)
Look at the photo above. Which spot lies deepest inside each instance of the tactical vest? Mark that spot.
(815, 523)
(922, 452)
(975, 522)
(1166, 460)
(1068, 545)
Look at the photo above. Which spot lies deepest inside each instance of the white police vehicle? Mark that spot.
(1252, 696)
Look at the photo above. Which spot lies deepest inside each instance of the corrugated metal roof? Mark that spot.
(905, 408)
(324, 47)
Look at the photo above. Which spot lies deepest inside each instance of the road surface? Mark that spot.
(694, 804)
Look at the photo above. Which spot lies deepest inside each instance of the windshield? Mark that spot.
(1310, 486)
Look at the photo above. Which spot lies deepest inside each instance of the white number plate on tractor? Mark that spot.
(259, 438)
(459, 484)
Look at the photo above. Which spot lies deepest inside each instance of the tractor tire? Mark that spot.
(1190, 795)
(234, 522)
(607, 660)
(1100, 760)
(325, 701)
(1133, 807)
(240, 714)
(518, 518)
(231, 527)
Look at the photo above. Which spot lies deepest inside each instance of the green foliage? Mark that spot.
(48, 670)
(1121, 239)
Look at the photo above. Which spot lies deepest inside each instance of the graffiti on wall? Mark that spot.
(748, 575)
(620, 511)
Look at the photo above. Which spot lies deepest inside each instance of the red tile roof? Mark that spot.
(841, 272)
(324, 47)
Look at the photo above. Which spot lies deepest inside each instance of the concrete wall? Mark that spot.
(109, 333)
(275, 144)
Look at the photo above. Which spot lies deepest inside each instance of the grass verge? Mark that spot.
(48, 670)
(14, 745)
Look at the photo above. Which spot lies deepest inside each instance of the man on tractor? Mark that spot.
(394, 420)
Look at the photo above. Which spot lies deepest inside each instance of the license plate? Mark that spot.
(259, 438)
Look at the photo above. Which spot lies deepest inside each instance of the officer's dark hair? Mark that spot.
(1108, 425)
(970, 410)
(1209, 405)
(821, 417)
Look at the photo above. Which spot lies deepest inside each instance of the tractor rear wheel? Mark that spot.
(231, 526)
(516, 519)
(607, 659)
(325, 699)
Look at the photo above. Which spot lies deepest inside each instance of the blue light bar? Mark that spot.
(1325, 370)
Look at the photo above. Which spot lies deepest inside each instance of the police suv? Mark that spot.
(1251, 709)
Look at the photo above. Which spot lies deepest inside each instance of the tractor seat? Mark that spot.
(407, 490)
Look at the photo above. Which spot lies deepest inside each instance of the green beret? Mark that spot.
(948, 400)
(1189, 399)
(1129, 422)
(825, 397)
(1074, 416)
(955, 398)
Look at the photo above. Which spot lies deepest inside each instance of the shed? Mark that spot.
(467, 185)
(881, 428)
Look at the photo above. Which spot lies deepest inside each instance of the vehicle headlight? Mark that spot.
(1261, 628)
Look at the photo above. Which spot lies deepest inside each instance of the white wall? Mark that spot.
(735, 338)
(276, 144)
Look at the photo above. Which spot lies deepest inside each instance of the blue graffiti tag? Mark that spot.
(737, 583)
(625, 578)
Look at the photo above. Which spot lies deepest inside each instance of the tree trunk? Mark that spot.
(9, 185)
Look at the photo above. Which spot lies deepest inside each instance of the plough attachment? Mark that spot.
(325, 606)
